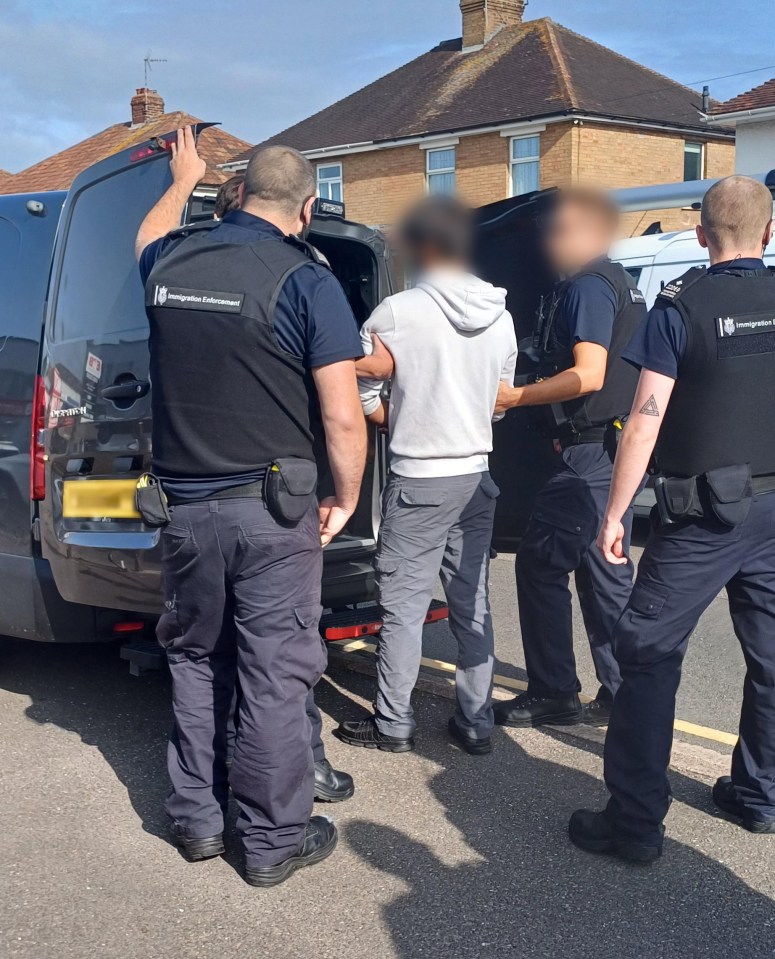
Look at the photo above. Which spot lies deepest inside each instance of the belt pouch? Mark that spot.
(676, 498)
(151, 501)
(731, 493)
(289, 489)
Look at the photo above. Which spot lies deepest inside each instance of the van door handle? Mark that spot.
(127, 390)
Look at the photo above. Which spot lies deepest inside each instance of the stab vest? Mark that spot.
(227, 398)
(720, 412)
(616, 396)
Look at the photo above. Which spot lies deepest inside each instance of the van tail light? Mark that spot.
(37, 449)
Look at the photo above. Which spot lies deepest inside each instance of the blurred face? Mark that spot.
(574, 238)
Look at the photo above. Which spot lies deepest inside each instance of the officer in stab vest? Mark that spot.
(252, 346)
(583, 393)
(704, 408)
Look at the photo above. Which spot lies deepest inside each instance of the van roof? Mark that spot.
(637, 247)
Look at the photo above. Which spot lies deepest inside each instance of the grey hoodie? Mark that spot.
(453, 340)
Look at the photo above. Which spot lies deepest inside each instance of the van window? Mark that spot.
(635, 272)
(99, 293)
(12, 320)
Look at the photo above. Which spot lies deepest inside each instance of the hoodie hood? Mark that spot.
(470, 304)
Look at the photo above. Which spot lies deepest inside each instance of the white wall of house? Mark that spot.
(755, 146)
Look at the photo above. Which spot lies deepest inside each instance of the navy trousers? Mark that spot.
(560, 540)
(683, 569)
(242, 598)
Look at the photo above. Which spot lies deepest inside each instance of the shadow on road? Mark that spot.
(530, 892)
(524, 891)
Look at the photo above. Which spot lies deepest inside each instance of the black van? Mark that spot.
(76, 562)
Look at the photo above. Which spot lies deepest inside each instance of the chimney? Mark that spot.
(482, 19)
(147, 106)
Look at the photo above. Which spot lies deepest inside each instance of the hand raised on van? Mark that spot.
(187, 167)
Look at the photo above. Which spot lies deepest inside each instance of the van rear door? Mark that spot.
(97, 424)
(508, 254)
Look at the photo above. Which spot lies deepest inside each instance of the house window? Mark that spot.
(440, 170)
(330, 182)
(694, 157)
(525, 164)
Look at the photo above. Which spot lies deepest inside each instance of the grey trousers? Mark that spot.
(431, 527)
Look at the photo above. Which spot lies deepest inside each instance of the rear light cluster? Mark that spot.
(37, 448)
(156, 145)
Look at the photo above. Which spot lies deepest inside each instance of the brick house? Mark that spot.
(511, 106)
(752, 114)
(148, 119)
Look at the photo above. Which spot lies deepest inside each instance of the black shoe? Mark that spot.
(195, 850)
(331, 785)
(725, 797)
(596, 713)
(473, 745)
(365, 733)
(319, 842)
(527, 710)
(593, 832)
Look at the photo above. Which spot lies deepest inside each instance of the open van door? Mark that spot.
(96, 423)
(508, 254)
(95, 431)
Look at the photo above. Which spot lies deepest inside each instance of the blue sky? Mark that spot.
(69, 67)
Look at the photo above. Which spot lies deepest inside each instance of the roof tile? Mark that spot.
(758, 98)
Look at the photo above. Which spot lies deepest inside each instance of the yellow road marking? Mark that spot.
(681, 725)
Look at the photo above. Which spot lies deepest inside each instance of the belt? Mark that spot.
(764, 484)
(595, 434)
(250, 491)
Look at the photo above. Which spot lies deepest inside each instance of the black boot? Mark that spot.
(594, 832)
(331, 785)
(365, 733)
(195, 850)
(319, 842)
(725, 797)
(529, 710)
(596, 713)
(480, 746)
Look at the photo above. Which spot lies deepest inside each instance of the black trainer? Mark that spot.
(332, 785)
(725, 797)
(319, 842)
(593, 832)
(365, 733)
(529, 710)
(476, 746)
(196, 850)
(596, 713)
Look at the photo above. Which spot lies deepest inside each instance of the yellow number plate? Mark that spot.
(96, 499)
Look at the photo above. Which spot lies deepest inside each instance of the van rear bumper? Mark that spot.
(348, 581)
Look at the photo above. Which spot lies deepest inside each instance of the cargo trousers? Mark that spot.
(435, 526)
(683, 569)
(242, 601)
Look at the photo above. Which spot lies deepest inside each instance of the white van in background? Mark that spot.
(654, 260)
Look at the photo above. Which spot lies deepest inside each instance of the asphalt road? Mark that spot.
(713, 671)
(442, 855)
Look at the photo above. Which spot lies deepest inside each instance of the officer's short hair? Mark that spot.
(735, 213)
(227, 198)
(596, 204)
(281, 177)
(442, 223)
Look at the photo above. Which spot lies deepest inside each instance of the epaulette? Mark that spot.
(676, 288)
(187, 229)
(312, 251)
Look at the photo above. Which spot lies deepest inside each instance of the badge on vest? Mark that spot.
(179, 298)
(745, 325)
(637, 297)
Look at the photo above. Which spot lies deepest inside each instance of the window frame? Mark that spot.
(445, 171)
(523, 161)
(330, 181)
(700, 153)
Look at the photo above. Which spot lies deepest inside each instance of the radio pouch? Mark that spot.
(289, 489)
(151, 501)
(731, 493)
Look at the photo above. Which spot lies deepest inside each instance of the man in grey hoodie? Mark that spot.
(452, 342)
